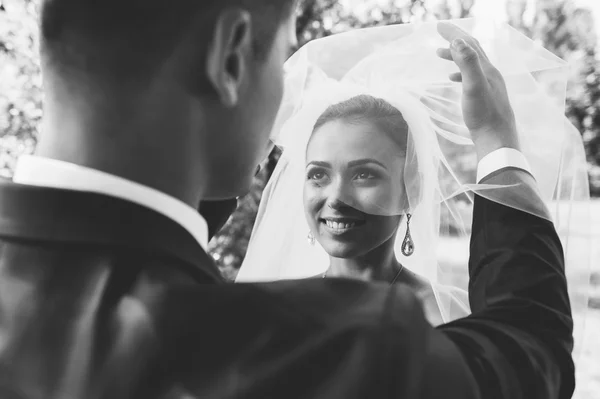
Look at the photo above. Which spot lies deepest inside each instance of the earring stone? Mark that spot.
(311, 238)
(408, 245)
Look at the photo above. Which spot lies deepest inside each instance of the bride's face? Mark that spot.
(353, 184)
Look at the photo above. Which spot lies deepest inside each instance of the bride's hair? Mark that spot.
(366, 108)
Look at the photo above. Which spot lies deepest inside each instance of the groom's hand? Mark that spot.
(485, 104)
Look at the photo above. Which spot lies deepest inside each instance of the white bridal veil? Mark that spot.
(399, 65)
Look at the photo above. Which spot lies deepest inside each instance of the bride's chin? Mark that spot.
(341, 250)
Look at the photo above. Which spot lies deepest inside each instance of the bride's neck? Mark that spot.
(380, 264)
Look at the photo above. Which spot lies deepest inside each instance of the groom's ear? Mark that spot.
(228, 54)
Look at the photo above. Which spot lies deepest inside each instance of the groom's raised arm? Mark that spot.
(518, 341)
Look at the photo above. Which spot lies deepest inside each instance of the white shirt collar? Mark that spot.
(46, 172)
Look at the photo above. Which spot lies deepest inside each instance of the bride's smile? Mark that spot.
(339, 225)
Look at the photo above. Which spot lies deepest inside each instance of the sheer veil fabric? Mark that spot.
(438, 176)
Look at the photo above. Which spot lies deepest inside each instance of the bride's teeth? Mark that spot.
(338, 225)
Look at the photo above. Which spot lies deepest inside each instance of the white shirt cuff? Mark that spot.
(500, 159)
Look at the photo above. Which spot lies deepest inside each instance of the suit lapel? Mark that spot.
(65, 216)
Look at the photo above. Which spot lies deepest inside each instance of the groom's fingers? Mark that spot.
(456, 77)
(452, 33)
(468, 55)
(467, 59)
(445, 54)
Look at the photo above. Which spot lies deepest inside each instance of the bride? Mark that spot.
(377, 166)
(354, 169)
(361, 176)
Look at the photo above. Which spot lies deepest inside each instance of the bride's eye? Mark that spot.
(316, 175)
(365, 175)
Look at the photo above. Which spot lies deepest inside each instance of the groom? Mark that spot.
(106, 290)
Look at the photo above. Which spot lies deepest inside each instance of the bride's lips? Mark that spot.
(341, 225)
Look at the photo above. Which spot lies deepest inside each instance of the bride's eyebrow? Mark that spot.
(319, 163)
(365, 161)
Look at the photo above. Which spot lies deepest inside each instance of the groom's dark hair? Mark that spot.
(128, 40)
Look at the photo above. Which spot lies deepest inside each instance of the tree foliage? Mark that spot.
(20, 82)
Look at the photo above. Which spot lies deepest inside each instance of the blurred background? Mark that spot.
(568, 28)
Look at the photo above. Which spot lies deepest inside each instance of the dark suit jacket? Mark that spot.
(101, 298)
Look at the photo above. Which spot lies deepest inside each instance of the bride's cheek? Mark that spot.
(374, 196)
(311, 201)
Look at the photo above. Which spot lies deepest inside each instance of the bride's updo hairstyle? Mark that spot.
(366, 108)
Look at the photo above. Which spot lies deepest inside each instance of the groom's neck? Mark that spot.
(154, 145)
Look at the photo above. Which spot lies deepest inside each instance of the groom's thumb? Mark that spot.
(467, 60)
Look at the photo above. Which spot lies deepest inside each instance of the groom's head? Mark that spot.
(207, 72)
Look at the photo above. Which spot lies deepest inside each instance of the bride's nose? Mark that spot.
(336, 204)
(337, 195)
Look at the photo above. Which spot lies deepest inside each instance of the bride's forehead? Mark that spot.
(342, 139)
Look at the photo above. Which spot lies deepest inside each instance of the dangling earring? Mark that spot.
(310, 238)
(408, 246)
